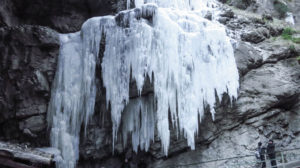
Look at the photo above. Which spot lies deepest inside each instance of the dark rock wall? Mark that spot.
(28, 57)
(61, 15)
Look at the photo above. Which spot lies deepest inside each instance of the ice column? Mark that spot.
(73, 92)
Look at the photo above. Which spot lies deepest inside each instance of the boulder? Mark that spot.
(247, 57)
(253, 36)
(227, 13)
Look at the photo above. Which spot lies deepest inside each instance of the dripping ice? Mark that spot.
(190, 57)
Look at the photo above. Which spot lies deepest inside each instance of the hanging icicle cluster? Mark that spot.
(190, 57)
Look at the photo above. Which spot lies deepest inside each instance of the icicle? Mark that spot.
(138, 120)
(73, 91)
(190, 57)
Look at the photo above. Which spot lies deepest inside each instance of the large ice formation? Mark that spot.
(190, 57)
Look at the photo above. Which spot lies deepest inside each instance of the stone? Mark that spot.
(28, 109)
(264, 31)
(294, 119)
(33, 124)
(242, 4)
(27, 132)
(267, 16)
(276, 89)
(247, 57)
(282, 53)
(243, 20)
(208, 16)
(275, 31)
(234, 25)
(258, 21)
(41, 82)
(223, 20)
(227, 13)
(253, 36)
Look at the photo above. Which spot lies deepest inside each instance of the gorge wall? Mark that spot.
(267, 106)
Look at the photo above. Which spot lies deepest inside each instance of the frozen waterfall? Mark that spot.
(190, 57)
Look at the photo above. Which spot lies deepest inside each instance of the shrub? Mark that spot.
(298, 59)
(281, 8)
(292, 48)
(296, 40)
(287, 34)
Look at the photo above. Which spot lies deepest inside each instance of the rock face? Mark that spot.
(273, 8)
(61, 15)
(28, 56)
(267, 107)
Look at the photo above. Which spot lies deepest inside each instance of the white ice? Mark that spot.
(290, 18)
(191, 59)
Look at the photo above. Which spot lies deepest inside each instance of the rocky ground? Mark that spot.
(268, 105)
